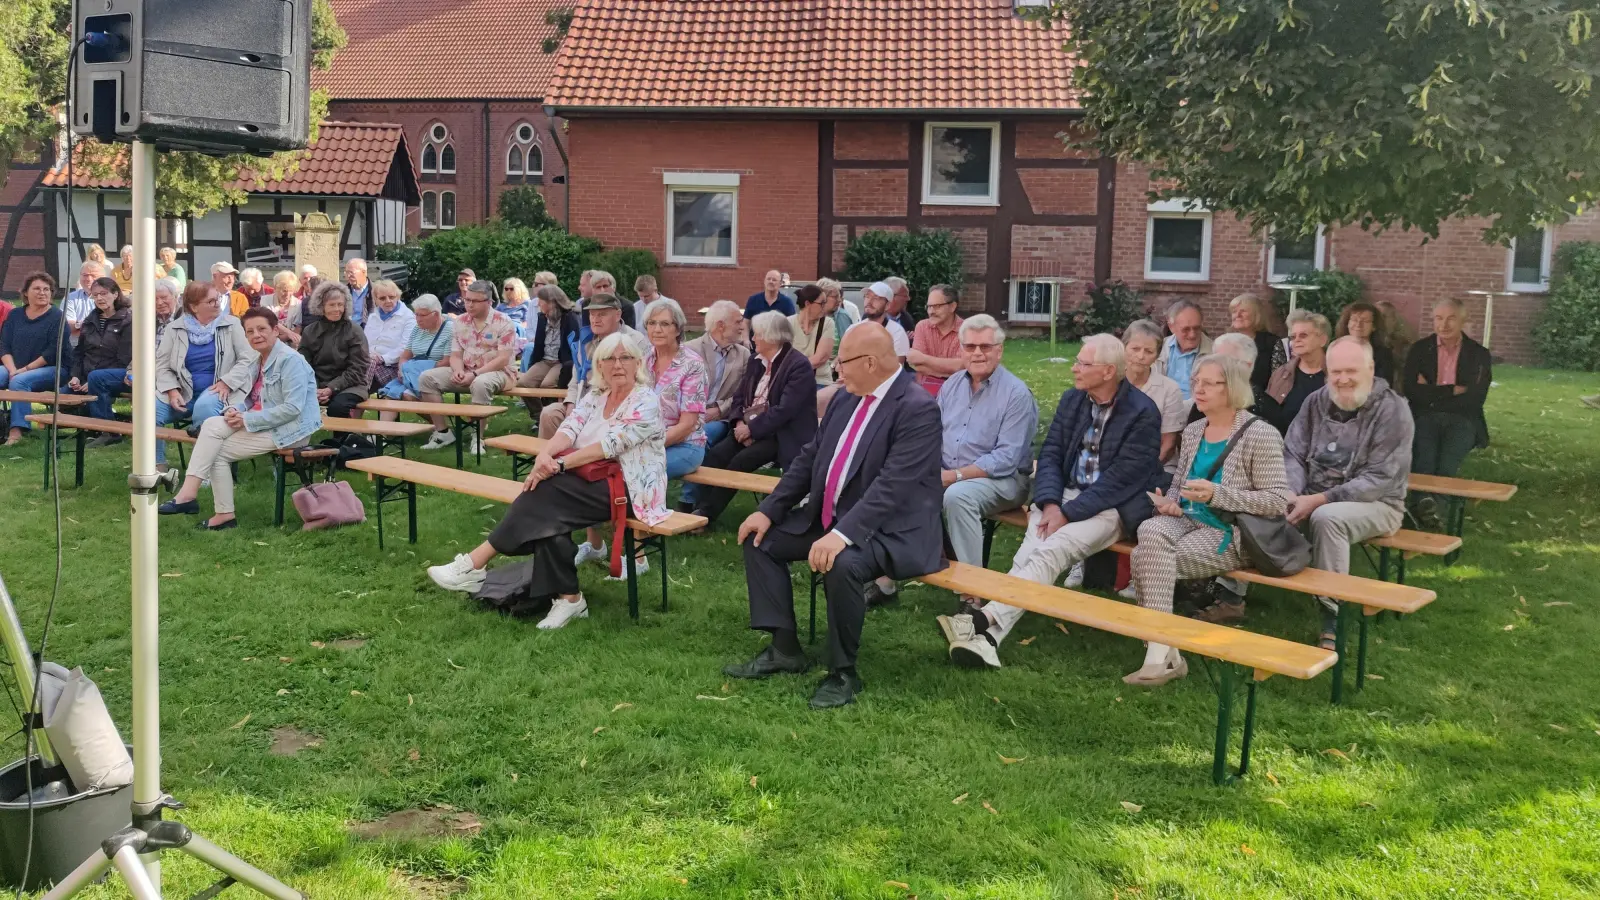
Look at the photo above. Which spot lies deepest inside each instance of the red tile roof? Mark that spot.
(439, 49)
(348, 158)
(924, 55)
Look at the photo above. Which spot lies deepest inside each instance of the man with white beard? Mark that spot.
(1346, 456)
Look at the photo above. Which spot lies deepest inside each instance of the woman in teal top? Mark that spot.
(1187, 538)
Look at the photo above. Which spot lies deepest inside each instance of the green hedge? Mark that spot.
(1105, 309)
(1336, 290)
(498, 252)
(625, 265)
(922, 258)
(1567, 333)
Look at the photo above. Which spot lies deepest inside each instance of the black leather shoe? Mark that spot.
(174, 508)
(204, 525)
(767, 663)
(876, 597)
(684, 507)
(838, 689)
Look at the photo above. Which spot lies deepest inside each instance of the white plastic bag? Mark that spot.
(81, 731)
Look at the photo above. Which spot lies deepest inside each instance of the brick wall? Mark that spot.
(869, 192)
(618, 195)
(465, 122)
(870, 140)
(27, 249)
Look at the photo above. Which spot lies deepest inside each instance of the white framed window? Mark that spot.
(438, 154)
(702, 217)
(514, 161)
(430, 210)
(1177, 241)
(447, 160)
(1296, 255)
(447, 209)
(524, 157)
(1033, 301)
(437, 133)
(430, 160)
(534, 160)
(961, 163)
(1528, 262)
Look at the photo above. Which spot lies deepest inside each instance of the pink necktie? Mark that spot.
(836, 471)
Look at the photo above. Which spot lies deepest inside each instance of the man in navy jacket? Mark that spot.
(1101, 456)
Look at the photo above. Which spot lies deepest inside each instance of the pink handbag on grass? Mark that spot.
(329, 504)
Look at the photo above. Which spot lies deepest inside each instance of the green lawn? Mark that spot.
(614, 760)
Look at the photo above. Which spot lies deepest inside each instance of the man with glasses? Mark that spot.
(1184, 346)
(605, 317)
(1101, 456)
(79, 304)
(936, 341)
(482, 346)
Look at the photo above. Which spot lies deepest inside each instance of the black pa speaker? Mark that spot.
(210, 75)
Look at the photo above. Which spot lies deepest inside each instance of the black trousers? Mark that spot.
(540, 523)
(728, 453)
(766, 571)
(343, 405)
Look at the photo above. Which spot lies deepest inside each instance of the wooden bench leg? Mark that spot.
(1227, 687)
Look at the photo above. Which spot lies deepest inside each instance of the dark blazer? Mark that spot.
(1474, 371)
(569, 327)
(1130, 457)
(892, 497)
(110, 347)
(1266, 343)
(791, 415)
(337, 352)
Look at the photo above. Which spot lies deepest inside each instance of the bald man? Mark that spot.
(871, 482)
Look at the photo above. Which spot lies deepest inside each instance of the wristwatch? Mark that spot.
(959, 476)
(561, 465)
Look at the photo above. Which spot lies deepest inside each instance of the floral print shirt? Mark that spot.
(476, 344)
(633, 438)
(682, 391)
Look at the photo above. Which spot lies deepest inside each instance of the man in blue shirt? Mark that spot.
(1184, 347)
(770, 297)
(355, 276)
(1100, 457)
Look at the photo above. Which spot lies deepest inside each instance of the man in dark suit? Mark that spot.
(871, 496)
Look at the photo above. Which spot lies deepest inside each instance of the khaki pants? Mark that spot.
(550, 419)
(219, 446)
(435, 382)
(542, 374)
(1045, 559)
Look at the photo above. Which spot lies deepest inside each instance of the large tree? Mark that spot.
(1378, 112)
(34, 39)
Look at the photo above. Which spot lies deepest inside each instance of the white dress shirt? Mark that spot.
(878, 393)
(386, 338)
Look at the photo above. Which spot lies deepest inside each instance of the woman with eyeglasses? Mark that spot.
(1192, 535)
(814, 335)
(202, 363)
(514, 303)
(104, 353)
(619, 419)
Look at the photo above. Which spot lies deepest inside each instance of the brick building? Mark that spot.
(466, 80)
(757, 135)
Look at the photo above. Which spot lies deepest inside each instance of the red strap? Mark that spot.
(619, 516)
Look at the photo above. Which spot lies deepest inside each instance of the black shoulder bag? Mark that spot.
(1276, 547)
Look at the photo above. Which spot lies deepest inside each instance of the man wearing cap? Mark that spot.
(605, 317)
(452, 303)
(355, 277)
(223, 278)
(482, 345)
(875, 300)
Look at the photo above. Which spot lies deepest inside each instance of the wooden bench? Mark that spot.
(1243, 656)
(383, 434)
(459, 414)
(82, 426)
(536, 393)
(1461, 491)
(1372, 597)
(408, 474)
(48, 398)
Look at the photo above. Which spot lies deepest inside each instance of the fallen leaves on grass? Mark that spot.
(240, 724)
(1028, 640)
(453, 663)
(752, 781)
(413, 755)
(1008, 760)
(1278, 800)
(991, 809)
(598, 729)
(1131, 807)
(284, 691)
(583, 763)
(1558, 603)
(1374, 676)
(1560, 728)
(1272, 778)
(318, 645)
(1245, 849)
(961, 799)
(286, 659)
(897, 885)
(1063, 628)
(710, 697)
(1509, 628)
(171, 574)
(357, 694)
(621, 706)
(1335, 751)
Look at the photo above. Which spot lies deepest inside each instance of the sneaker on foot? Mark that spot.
(1131, 592)
(589, 553)
(439, 440)
(957, 628)
(641, 565)
(562, 612)
(976, 653)
(1075, 577)
(458, 575)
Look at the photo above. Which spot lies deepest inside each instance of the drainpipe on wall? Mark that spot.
(487, 171)
(566, 165)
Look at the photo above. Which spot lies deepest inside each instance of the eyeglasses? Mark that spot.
(661, 323)
(843, 360)
(978, 348)
(618, 360)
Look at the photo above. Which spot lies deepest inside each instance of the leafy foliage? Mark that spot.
(1335, 290)
(625, 265)
(1379, 112)
(495, 253)
(1567, 333)
(523, 207)
(34, 43)
(562, 19)
(922, 258)
(1106, 309)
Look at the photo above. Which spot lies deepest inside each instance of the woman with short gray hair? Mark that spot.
(772, 415)
(681, 384)
(1141, 344)
(1300, 377)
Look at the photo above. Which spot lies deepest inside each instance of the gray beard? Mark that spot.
(1355, 403)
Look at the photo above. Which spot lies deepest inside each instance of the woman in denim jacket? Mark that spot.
(279, 411)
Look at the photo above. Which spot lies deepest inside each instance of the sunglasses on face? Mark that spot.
(978, 348)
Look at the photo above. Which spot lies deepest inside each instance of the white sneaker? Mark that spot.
(1075, 577)
(587, 552)
(640, 566)
(975, 654)
(562, 612)
(1131, 592)
(957, 629)
(439, 440)
(458, 575)
(477, 446)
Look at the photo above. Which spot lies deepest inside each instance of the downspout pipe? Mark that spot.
(488, 172)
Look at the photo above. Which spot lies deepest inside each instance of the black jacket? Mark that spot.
(569, 327)
(891, 497)
(1130, 457)
(791, 414)
(1474, 371)
(105, 343)
(337, 352)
